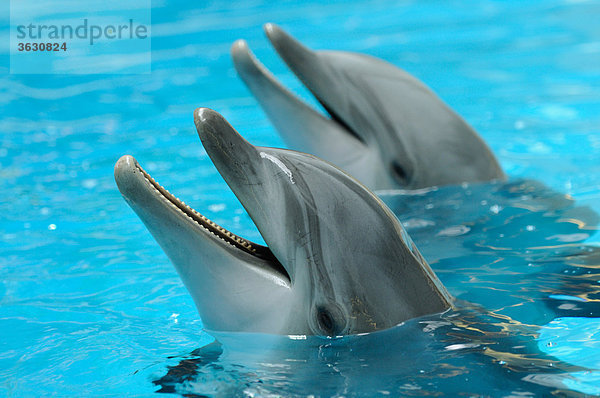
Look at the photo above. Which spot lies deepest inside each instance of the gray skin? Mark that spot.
(338, 261)
(387, 128)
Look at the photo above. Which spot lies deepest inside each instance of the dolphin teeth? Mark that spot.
(203, 221)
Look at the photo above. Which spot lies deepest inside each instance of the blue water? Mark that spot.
(90, 305)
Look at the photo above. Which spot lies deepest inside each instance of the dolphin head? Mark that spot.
(386, 128)
(337, 260)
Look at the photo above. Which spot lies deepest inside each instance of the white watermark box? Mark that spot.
(80, 37)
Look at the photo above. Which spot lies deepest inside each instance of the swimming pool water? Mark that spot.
(89, 304)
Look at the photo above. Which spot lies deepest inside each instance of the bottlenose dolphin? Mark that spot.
(387, 128)
(338, 261)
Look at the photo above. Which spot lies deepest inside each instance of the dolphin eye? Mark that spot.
(329, 320)
(325, 321)
(400, 173)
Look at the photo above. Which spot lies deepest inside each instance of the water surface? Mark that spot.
(88, 301)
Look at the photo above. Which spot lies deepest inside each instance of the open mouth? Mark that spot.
(254, 73)
(336, 118)
(228, 237)
(295, 55)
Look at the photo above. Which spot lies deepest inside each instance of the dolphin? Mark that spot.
(387, 128)
(337, 260)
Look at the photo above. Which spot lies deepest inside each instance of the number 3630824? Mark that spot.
(42, 46)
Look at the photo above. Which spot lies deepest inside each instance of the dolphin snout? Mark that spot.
(128, 177)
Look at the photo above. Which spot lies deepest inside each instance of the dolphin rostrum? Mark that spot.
(338, 261)
(387, 128)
